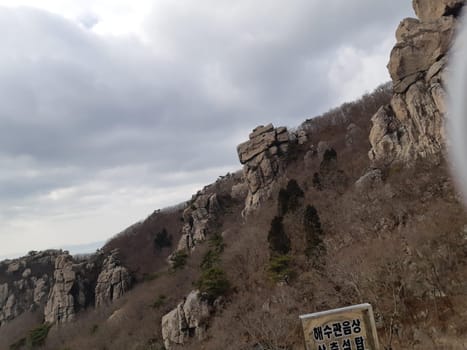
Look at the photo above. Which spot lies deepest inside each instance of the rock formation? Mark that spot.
(188, 320)
(411, 127)
(25, 283)
(261, 164)
(203, 213)
(198, 217)
(428, 10)
(60, 305)
(80, 284)
(113, 281)
(58, 285)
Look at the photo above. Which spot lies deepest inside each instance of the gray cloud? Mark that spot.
(95, 114)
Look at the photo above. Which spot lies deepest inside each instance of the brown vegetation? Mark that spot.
(400, 245)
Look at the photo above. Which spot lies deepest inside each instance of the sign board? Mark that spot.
(348, 328)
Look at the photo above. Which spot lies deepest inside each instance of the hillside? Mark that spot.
(356, 205)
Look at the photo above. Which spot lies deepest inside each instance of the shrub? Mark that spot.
(18, 344)
(317, 182)
(209, 259)
(213, 283)
(94, 329)
(163, 239)
(161, 299)
(279, 267)
(278, 240)
(151, 276)
(216, 242)
(35, 338)
(212, 256)
(178, 259)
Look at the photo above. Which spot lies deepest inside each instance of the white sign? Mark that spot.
(348, 328)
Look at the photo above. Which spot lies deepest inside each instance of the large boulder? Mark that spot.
(113, 281)
(60, 306)
(419, 46)
(200, 217)
(260, 156)
(428, 10)
(412, 127)
(58, 285)
(73, 287)
(41, 289)
(188, 320)
(24, 283)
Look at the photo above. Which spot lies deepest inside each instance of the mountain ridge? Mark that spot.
(253, 250)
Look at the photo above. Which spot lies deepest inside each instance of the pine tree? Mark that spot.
(279, 242)
(313, 232)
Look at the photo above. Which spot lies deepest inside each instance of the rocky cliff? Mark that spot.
(203, 213)
(198, 218)
(58, 284)
(188, 320)
(113, 281)
(25, 283)
(395, 239)
(411, 126)
(261, 159)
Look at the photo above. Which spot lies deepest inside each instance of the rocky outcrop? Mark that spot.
(59, 285)
(371, 180)
(428, 10)
(411, 127)
(188, 320)
(199, 218)
(60, 305)
(260, 157)
(25, 283)
(81, 284)
(113, 281)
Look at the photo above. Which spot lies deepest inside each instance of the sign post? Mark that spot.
(348, 328)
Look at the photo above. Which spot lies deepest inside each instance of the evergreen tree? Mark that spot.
(163, 239)
(313, 232)
(289, 198)
(278, 240)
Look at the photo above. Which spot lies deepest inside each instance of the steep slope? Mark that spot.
(314, 222)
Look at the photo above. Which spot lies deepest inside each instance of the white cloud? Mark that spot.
(112, 109)
(109, 17)
(354, 71)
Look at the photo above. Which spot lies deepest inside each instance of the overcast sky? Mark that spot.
(110, 109)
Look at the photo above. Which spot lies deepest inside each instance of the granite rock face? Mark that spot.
(428, 10)
(411, 127)
(56, 284)
(60, 305)
(260, 156)
(199, 218)
(203, 213)
(188, 320)
(82, 284)
(113, 281)
(25, 283)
